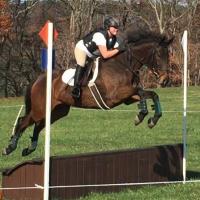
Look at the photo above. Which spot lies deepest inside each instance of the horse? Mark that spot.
(118, 82)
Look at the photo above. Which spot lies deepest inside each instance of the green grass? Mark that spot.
(169, 192)
(94, 130)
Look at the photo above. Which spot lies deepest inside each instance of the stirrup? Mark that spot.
(76, 92)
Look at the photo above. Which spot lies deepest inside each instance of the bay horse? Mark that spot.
(118, 82)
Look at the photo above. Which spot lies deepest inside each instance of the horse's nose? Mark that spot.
(166, 82)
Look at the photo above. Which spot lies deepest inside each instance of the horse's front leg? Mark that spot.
(158, 111)
(156, 106)
(142, 107)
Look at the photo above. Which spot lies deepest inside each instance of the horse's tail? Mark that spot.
(27, 100)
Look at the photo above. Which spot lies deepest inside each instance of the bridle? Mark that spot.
(141, 62)
(152, 59)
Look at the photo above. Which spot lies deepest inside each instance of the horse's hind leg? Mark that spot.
(58, 112)
(22, 124)
(34, 140)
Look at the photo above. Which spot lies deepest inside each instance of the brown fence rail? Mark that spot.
(155, 164)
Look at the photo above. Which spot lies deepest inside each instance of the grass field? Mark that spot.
(94, 130)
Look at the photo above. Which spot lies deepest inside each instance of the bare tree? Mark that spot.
(169, 14)
(17, 59)
(5, 22)
(80, 23)
(20, 45)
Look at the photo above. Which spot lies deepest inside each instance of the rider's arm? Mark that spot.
(100, 41)
(107, 53)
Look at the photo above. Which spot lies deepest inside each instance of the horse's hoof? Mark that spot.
(6, 151)
(137, 120)
(27, 151)
(151, 123)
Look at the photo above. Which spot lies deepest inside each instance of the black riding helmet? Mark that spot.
(111, 22)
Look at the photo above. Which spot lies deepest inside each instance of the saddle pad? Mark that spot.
(68, 75)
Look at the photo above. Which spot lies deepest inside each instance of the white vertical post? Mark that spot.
(185, 50)
(48, 111)
(13, 131)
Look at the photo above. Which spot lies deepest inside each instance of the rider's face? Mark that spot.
(113, 30)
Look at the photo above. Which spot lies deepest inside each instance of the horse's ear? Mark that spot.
(171, 40)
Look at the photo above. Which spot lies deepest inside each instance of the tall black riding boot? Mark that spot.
(77, 81)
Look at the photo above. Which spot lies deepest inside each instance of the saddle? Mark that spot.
(89, 76)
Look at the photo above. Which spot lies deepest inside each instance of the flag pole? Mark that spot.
(185, 50)
(48, 111)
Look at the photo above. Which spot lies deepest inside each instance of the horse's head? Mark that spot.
(160, 61)
(150, 49)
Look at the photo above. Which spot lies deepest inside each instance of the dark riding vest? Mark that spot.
(91, 45)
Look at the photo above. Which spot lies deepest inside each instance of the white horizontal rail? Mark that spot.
(117, 110)
(103, 185)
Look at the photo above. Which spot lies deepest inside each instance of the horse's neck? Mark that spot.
(142, 54)
(132, 59)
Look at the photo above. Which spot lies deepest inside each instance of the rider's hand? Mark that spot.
(122, 47)
(122, 44)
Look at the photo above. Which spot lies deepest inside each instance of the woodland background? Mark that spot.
(21, 21)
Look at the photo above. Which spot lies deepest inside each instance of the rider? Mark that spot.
(102, 42)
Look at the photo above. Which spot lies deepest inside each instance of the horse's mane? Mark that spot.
(142, 35)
